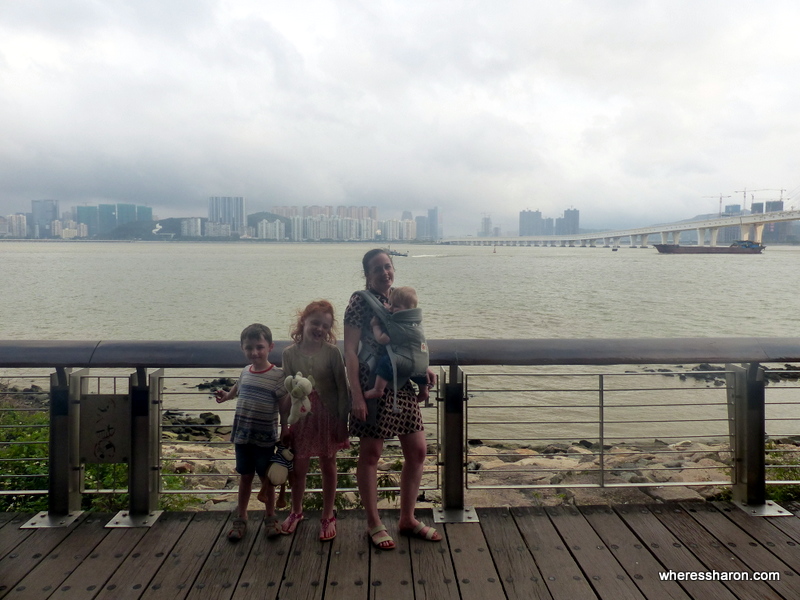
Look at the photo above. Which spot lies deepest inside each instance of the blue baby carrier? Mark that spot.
(407, 349)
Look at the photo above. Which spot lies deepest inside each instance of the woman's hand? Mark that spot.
(359, 408)
(431, 376)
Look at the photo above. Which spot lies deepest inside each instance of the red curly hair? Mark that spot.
(318, 306)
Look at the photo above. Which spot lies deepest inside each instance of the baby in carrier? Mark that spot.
(407, 343)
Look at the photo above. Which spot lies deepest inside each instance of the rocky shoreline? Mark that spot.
(653, 472)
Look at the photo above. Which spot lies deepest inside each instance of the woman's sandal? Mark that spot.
(237, 530)
(327, 529)
(290, 524)
(379, 541)
(422, 532)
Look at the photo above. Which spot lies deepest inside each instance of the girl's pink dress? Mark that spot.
(324, 431)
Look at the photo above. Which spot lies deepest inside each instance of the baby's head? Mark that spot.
(403, 298)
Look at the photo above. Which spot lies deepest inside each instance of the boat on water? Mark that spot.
(391, 252)
(737, 247)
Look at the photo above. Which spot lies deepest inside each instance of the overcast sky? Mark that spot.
(632, 111)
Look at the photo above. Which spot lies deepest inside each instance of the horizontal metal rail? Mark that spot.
(228, 354)
(743, 387)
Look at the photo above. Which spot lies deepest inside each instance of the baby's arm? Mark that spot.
(223, 396)
(377, 330)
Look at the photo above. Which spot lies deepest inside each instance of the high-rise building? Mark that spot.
(434, 226)
(271, 231)
(144, 213)
(422, 227)
(530, 222)
(730, 234)
(775, 232)
(126, 213)
(192, 227)
(17, 226)
(486, 227)
(569, 223)
(88, 215)
(229, 210)
(43, 213)
(107, 218)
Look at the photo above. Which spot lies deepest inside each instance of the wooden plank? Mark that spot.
(745, 547)
(671, 552)
(765, 531)
(790, 526)
(711, 552)
(220, 573)
(7, 517)
(634, 557)
(132, 577)
(605, 574)
(11, 535)
(175, 577)
(348, 568)
(95, 570)
(36, 544)
(474, 569)
(265, 566)
(516, 568)
(563, 577)
(49, 574)
(390, 570)
(307, 563)
(434, 576)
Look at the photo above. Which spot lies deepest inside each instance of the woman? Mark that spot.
(396, 416)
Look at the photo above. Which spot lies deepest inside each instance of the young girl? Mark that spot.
(324, 431)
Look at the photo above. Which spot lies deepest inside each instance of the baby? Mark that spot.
(407, 334)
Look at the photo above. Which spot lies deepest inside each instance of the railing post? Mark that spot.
(143, 469)
(746, 384)
(64, 469)
(453, 457)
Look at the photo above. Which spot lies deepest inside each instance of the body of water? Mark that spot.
(210, 291)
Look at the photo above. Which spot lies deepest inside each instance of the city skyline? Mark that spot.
(317, 223)
(227, 218)
(640, 115)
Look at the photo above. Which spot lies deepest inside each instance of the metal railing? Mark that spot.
(738, 407)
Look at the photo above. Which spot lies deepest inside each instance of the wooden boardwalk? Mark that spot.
(614, 553)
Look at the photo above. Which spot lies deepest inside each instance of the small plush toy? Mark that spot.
(279, 465)
(299, 388)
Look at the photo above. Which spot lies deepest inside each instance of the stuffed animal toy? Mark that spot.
(279, 465)
(299, 388)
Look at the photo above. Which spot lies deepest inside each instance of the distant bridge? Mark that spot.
(752, 228)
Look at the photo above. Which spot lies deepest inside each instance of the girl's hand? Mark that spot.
(220, 396)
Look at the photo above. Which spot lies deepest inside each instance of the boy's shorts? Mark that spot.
(253, 459)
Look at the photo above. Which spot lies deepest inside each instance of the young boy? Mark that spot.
(263, 401)
(407, 331)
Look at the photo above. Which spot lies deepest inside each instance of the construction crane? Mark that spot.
(762, 190)
(744, 193)
(720, 201)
